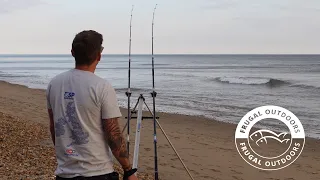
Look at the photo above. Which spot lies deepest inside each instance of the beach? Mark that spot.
(206, 146)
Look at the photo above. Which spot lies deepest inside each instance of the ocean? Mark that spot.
(221, 87)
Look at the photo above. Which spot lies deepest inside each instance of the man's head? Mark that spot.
(87, 48)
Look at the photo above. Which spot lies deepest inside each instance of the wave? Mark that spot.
(178, 75)
(305, 86)
(252, 81)
(131, 89)
(156, 64)
(7, 75)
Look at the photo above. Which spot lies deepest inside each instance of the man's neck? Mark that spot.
(85, 68)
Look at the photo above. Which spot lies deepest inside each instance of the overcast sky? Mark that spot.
(181, 26)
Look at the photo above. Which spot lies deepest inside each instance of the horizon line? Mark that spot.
(174, 54)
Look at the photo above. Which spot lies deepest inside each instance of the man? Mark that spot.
(84, 113)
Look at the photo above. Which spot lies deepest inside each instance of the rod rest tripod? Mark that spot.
(134, 111)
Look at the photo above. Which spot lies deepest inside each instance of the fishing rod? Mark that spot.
(154, 94)
(128, 93)
(139, 117)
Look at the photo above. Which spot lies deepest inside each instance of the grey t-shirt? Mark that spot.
(79, 101)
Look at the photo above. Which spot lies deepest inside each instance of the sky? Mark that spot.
(181, 26)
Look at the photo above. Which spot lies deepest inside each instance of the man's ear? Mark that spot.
(72, 52)
(99, 57)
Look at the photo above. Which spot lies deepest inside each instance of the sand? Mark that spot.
(206, 146)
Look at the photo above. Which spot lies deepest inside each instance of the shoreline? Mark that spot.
(207, 146)
(124, 112)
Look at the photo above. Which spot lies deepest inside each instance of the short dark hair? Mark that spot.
(86, 47)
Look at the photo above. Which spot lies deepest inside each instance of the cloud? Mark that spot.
(8, 6)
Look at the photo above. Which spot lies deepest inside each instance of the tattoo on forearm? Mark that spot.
(116, 141)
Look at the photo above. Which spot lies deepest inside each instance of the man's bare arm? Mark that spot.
(51, 125)
(116, 142)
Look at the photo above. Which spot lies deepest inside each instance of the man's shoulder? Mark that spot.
(90, 79)
(99, 82)
(58, 77)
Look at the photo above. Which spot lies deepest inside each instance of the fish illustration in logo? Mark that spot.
(263, 135)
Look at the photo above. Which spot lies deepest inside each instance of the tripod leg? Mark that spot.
(148, 108)
(125, 126)
(138, 131)
(134, 109)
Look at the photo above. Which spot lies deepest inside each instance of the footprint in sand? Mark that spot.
(147, 149)
(207, 177)
(215, 170)
(206, 144)
(176, 137)
(196, 164)
(225, 149)
(237, 172)
(195, 172)
(237, 178)
(174, 159)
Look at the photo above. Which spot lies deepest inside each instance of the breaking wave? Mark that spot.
(252, 81)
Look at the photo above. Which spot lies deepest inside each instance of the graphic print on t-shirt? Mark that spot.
(77, 134)
(69, 95)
